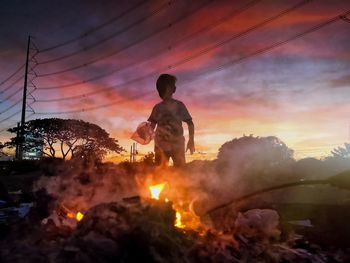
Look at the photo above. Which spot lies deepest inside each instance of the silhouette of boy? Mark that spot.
(168, 116)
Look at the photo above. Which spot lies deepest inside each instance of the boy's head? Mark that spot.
(166, 85)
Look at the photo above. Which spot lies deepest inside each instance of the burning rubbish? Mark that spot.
(107, 219)
(156, 190)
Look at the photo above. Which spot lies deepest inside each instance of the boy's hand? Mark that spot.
(190, 146)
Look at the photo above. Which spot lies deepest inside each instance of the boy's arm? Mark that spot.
(190, 143)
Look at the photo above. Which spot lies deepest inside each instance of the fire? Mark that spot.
(178, 220)
(79, 216)
(156, 190)
(155, 193)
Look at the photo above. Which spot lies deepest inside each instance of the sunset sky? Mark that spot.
(240, 66)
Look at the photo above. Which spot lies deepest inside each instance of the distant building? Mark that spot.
(36, 152)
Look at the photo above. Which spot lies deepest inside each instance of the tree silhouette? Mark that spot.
(340, 159)
(342, 152)
(252, 162)
(74, 138)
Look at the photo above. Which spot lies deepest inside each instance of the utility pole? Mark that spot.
(18, 143)
(133, 152)
(24, 103)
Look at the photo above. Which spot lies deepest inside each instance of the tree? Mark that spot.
(253, 162)
(340, 159)
(74, 138)
(342, 152)
(148, 158)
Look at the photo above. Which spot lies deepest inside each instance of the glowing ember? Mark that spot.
(70, 215)
(79, 216)
(156, 190)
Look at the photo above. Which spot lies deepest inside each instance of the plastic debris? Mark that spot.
(258, 223)
(144, 133)
(305, 222)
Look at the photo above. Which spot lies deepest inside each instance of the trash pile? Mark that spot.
(135, 230)
(109, 215)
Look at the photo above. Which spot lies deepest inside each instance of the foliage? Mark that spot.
(340, 159)
(254, 162)
(148, 158)
(342, 152)
(74, 138)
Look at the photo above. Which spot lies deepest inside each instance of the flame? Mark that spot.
(178, 220)
(79, 216)
(156, 190)
(182, 215)
(70, 215)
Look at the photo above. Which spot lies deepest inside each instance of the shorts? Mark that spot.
(164, 150)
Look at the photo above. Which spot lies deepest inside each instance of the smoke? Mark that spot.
(79, 187)
(243, 165)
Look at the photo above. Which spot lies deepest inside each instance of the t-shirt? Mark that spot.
(169, 115)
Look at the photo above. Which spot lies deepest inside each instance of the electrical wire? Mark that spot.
(12, 125)
(161, 52)
(12, 84)
(85, 34)
(9, 117)
(13, 105)
(232, 62)
(245, 32)
(32, 58)
(142, 95)
(105, 39)
(161, 29)
(12, 94)
(278, 44)
(187, 59)
(345, 18)
(13, 74)
(8, 127)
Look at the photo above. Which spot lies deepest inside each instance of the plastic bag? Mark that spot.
(144, 133)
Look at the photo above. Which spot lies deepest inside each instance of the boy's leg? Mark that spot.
(178, 154)
(160, 158)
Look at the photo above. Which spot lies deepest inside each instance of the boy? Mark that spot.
(168, 115)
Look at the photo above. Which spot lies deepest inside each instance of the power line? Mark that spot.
(344, 18)
(5, 129)
(161, 29)
(12, 94)
(105, 39)
(32, 59)
(13, 105)
(232, 62)
(251, 29)
(8, 127)
(280, 43)
(142, 95)
(85, 34)
(9, 117)
(10, 76)
(187, 59)
(166, 49)
(12, 84)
